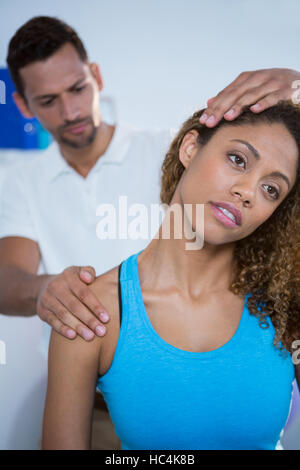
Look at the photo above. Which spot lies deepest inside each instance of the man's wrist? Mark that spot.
(36, 283)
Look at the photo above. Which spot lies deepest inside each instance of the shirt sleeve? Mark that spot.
(15, 216)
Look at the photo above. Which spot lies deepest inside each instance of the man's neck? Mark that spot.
(83, 160)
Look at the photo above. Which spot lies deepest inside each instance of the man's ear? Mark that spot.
(188, 148)
(22, 105)
(95, 69)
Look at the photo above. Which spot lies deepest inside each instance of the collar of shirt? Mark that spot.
(57, 165)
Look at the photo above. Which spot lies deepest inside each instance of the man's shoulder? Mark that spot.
(153, 135)
(146, 144)
(32, 164)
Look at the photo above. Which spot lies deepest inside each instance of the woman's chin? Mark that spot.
(217, 237)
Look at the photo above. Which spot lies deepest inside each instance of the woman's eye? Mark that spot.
(274, 193)
(237, 160)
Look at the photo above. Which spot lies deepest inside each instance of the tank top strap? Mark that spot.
(127, 268)
(129, 307)
(136, 323)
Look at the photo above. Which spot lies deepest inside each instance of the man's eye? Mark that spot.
(274, 195)
(79, 89)
(47, 103)
(237, 159)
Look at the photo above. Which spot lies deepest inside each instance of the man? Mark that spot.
(49, 249)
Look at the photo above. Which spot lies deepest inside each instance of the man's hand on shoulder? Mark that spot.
(67, 303)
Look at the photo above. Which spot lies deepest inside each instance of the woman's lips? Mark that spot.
(222, 217)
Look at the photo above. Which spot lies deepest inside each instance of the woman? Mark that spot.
(203, 358)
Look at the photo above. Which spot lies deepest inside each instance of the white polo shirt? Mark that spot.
(47, 201)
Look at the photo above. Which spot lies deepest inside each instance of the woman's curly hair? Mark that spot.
(268, 260)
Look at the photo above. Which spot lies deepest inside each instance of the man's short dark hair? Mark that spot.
(36, 40)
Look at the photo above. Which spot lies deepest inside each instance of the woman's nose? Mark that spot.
(245, 191)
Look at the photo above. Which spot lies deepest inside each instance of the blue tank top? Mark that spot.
(160, 397)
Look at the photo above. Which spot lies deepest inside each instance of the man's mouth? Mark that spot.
(77, 129)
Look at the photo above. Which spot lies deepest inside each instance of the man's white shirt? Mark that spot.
(47, 201)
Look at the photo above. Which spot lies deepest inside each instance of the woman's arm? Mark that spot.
(72, 375)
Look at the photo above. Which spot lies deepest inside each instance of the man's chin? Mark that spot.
(79, 142)
(75, 145)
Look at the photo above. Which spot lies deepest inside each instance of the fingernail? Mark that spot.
(210, 120)
(87, 334)
(100, 330)
(87, 275)
(104, 316)
(255, 106)
(71, 334)
(229, 113)
(203, 118)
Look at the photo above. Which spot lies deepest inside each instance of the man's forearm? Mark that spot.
(19, 291)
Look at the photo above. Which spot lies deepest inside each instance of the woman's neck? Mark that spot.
(167, 262)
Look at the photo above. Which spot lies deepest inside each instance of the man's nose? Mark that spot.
(68, 110)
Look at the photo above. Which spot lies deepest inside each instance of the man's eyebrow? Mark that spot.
(53, 95)
(257, 156)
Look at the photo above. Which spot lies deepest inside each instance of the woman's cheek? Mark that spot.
(184, 189)
(213, 174)
(192, 191)
(202, 180)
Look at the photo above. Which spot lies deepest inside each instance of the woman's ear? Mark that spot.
(188, 148)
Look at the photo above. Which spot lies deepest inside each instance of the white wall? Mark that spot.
(22, 384)
(163, 58)
(160, 61)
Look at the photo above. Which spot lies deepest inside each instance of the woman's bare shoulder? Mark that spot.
(105, 287)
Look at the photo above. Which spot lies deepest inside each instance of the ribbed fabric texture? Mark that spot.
(161, 397)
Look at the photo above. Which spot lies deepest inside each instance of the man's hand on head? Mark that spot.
(67, 304)
(259, 89)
